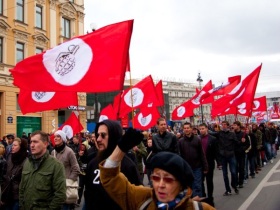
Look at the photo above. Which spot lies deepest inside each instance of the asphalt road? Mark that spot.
(260, 193)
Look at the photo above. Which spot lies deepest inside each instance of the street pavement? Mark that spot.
(260, 193)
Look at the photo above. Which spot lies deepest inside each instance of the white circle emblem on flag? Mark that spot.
(144, 121)
(68, 130)
(69, 62)
(42, 97)
(257, 105)
(103, 117)
(137, 97)
(181, 111)
(242, 108)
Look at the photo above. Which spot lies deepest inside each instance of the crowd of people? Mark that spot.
(110, 165)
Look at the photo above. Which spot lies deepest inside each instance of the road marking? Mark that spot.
(262, 184)
(271, 183)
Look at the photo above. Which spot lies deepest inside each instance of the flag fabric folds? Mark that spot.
(141, 94)
(95, 62)
(159, 92)
(240, 97)
(146, 118)
(222, 89)
(32, 101)
(186, 109)
(259, 104)
(71, 126)
(108, 113)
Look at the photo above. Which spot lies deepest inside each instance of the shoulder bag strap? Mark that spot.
(197, 205)
(145, 204)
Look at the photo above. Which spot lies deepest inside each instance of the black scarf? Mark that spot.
(19, 157)
(58, 149)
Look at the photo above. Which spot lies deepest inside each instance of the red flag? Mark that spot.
(142, 94)
(31, 101)
(128, 64)
(117, 102)
(108, 113)
(183, 111)
(186, 109)
(159, 92)
(145, 121)
(222, 89)
(71, 126)
(241, 96)
(202, 94)
(259, 104)
(83, 64)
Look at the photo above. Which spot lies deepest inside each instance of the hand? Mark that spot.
(130, 139)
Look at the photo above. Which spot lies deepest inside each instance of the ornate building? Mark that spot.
(28, 28)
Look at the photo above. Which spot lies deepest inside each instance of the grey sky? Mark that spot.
(176, 39)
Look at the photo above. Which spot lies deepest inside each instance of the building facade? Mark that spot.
(28, 28)
(180, 92)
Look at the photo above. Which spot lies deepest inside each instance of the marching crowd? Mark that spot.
(109, 165)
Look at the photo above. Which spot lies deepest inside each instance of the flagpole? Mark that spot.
(132, 108)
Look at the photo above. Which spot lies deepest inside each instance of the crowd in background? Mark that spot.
(242, 149)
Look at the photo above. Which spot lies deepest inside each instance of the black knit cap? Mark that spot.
(175, 165)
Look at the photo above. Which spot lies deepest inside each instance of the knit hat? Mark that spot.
(61, 134)
(175, 165)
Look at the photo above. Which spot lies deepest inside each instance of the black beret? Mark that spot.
(175, 165)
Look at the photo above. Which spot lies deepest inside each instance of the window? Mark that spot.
(66, 27)
(1, 50)
(39, 19)
(38, 50)
(20, 10)
(20, 52)
(1, 7)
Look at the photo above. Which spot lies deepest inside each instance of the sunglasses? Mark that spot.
(103, 135)
(166, 179)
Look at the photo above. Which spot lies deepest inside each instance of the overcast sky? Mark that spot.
(177, 39)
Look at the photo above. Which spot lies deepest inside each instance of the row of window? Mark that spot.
(20, 4)
(19, 50)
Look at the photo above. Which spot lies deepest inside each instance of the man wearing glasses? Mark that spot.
(108, 133)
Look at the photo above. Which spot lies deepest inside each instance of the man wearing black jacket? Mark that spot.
(243, 143)
(227, 142)
(108, 133)
(164, 140)
(190, 149)
(210, 148)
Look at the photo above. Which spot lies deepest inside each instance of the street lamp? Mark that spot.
(200, 80)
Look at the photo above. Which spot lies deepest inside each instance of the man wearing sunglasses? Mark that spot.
(108, 133)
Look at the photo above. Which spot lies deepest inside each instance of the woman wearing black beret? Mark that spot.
(171, 180)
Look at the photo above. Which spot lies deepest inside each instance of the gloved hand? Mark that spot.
(131, 138)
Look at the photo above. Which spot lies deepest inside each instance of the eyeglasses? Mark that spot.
(103, 135)
(166, 179)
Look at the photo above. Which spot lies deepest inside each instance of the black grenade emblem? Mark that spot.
(65, 61)
(39, 95)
